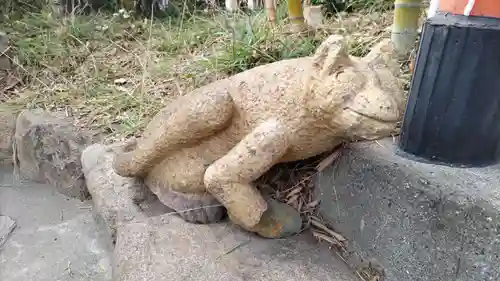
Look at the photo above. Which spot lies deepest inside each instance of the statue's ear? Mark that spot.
(331, 56)
(379, 50)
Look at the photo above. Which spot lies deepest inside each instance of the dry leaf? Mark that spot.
(328, 160)
(292, 199)
(360, 276)
(328, 230)
(297, 190)
(326, 238)
(313, 203)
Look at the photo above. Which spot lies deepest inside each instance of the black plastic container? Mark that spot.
(453, 110)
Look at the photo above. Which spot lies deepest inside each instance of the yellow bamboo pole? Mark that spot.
(405, 25)
(296, 14)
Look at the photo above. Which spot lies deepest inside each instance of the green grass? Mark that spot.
(113, 73)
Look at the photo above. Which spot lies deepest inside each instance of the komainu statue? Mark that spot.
(202, 152)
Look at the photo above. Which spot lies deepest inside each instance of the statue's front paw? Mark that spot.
(279, 221)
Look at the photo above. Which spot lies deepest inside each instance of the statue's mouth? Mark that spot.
(382, 120)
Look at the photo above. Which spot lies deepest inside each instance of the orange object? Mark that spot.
(481, 8)
(412, 65)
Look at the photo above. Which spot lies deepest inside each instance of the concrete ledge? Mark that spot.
(418, 221)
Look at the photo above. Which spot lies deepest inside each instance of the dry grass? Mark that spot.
(113, 73)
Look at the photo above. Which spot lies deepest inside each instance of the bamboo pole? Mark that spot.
(405, 25)
(296, 14)
(270, 6)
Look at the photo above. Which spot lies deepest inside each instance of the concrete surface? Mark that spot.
(418, 221)
(56, 238)
(167, 248)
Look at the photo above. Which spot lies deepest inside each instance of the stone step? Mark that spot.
(56, 237)
(416, 220)
(167, 248)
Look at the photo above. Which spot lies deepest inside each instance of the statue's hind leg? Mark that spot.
(183, 122)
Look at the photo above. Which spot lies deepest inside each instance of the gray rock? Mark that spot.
(4, 60)
(167, 248)
(117, 200)
(48, 150)
(279, 221)
(7, 129)
(4, 42)
(418, 221)
(4, 65)
(7, 225)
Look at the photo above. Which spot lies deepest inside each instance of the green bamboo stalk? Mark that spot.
(405, 25)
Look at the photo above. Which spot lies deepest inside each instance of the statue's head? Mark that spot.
(335, 77)
(340, 83)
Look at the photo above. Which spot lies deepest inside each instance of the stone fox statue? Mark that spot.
(201, 153)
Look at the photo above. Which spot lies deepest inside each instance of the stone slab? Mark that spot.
(166, 248)
(56, 238)
(416, 220)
